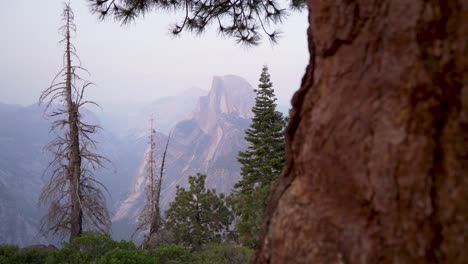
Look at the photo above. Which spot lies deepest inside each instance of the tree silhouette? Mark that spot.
(198, 216)
(261, 163)
(73, 196)
(150, 217)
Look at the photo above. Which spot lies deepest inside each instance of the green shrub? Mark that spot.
(95, 248)
(173, 254)
(127, 245)
(224, 254)
(126, 256)
(93, 245)
(66, 255)
(8, 250)
(10, 254)
(31, 255)
(87, 248)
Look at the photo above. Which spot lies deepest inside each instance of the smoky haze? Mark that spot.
(139, 62)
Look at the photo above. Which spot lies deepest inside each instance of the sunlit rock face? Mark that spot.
(217, 129)
(229, 95)
(207, 142)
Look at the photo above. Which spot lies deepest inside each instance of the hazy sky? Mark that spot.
(139, 62)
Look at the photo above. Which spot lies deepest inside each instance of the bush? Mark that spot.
(165, 254)
(32, 255)
(93, 245)
(126, 256)
(8, 250)
(173, 254)
(224, 254)
(87, 248)
(95, 248)
(10, 254)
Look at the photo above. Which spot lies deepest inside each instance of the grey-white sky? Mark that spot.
(139, 62)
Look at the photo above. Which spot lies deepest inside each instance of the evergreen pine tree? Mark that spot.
(198, 216)
(261, 163)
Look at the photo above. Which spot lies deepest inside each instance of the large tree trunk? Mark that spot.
(377, 145)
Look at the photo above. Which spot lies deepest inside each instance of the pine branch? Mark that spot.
(239, 19)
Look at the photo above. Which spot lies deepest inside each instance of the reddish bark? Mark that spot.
(377, 145)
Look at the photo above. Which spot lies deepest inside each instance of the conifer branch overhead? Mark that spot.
(244, 20)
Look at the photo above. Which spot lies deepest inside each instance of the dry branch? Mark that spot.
(74, 198)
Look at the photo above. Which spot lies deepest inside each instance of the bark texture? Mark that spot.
(377, 145)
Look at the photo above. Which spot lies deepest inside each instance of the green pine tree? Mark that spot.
(261, 163)
(198, 216)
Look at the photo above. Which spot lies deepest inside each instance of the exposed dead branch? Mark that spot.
(150, 220)
(74, 198)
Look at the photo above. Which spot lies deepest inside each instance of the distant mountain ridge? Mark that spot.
(133, 120)
(205, 138)
(22, 162)
(208, 142)
(168, 111)
(24, 158)
(215, 134)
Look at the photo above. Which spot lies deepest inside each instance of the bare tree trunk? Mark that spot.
(150, 217)
(76, 224)
(76, 217)
(73, 197)
(156, 221)
(377, 144)
(153, 205)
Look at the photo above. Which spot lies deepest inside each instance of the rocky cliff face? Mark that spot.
(215, 134)
(377, 142)
(230, 95)
(208, 142)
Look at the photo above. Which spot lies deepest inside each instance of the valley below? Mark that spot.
(206, 130)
